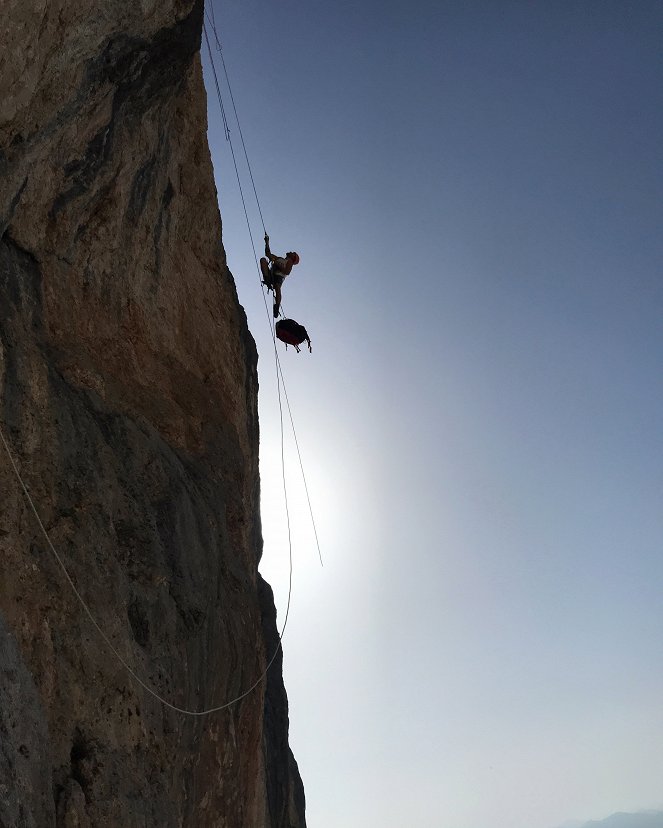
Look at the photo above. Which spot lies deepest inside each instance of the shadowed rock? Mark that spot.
(128, 391)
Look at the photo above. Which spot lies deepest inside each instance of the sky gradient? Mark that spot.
(475, 190)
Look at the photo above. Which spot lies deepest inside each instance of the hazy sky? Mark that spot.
(475, 190)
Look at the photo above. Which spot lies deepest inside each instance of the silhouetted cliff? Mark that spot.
(128, 389)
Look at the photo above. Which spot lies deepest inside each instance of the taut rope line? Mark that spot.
(212, 23)
(232, 98)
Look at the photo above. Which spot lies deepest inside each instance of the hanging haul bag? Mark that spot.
(292, 333)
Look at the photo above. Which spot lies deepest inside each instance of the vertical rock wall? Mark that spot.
(128, 392)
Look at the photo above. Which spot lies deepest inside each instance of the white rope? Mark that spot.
(88, 612)
(61, 563)
(279, 371)
(219, 49)
(98, 628)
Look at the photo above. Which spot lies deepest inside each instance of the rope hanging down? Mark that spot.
(103, 635)
(121, 660)
(280, 381)
(212, 23)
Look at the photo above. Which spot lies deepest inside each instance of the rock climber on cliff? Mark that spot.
(274, 270)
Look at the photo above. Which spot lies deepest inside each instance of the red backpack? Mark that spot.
(292, 333)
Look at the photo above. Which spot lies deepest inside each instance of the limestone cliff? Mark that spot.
(128, 392)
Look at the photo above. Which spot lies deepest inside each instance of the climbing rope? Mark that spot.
(301, 465)
(280, 382)
(212, 22)
(97, 626)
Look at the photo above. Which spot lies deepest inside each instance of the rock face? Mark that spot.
(128, 389)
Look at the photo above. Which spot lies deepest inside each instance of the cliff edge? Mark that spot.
(128, 389)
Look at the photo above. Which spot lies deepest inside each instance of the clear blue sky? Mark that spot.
(475, 190)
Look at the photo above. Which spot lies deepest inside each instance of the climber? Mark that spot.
(274, 270)
(292, 333)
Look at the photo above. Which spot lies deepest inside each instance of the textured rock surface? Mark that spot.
(128, 391)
